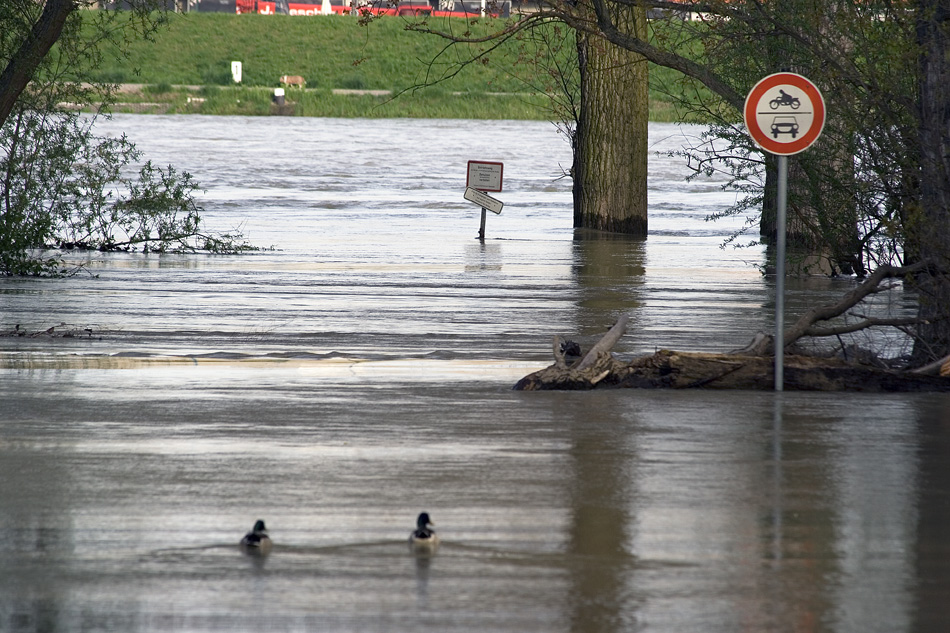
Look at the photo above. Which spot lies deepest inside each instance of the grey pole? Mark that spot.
(780, 273)
(481, 230)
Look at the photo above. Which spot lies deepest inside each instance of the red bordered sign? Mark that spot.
(484, 175)
(784, 113)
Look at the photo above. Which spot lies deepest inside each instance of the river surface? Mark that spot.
(360, 371)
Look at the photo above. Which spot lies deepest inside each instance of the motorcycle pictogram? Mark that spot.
(785, 99)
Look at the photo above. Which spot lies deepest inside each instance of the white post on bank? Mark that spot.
(784, 114)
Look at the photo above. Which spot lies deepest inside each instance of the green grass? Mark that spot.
(332, 52)
(329, 52)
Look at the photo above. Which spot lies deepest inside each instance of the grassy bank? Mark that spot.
(187, 68)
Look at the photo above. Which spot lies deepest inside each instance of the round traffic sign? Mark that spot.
(784, 113)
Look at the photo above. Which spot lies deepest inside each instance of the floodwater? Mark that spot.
(360, 372)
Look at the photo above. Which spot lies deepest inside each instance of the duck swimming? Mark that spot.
(257, 538)
(424, 535)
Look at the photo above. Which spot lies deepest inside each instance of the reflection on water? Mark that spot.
(361, 373)
(609, 271)
(603, 490)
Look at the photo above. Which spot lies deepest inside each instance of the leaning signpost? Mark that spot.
(784, 114)
(484, 176)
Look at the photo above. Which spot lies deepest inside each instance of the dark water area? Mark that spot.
(360, 372)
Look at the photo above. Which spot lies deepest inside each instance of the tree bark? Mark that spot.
(610, 147)
(932, 229)
(21, 67)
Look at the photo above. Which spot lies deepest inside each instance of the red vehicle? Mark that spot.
(439, 8)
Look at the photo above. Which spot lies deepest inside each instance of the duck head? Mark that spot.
(424, 522)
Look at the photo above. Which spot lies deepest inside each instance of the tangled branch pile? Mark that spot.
(751, 367)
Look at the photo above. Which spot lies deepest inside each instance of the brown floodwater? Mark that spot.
(360, 372)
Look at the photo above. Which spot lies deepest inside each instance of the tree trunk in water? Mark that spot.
(610, 147)
(822, 218)
(822, 215)
(933, 226)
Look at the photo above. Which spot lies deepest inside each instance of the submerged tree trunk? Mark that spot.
(610, 147)
(932, 228)
(822, 218)
(821, 221)
(822, 214)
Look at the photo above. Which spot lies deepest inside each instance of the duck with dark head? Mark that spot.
(424, 536)
(257, 540)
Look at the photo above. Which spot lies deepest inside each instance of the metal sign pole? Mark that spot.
(484, 176)
(789, 106)
(780, 273)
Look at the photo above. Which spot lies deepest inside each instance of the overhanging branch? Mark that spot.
(21, 67)
(664, 58)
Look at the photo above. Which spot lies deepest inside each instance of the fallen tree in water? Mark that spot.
(751, 367)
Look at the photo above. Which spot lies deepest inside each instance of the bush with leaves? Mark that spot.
(62, 186)
(77, 192)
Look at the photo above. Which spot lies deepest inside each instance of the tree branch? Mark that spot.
(860, 325)
(762, 343)
(23, 64)
(670, 60)
(869, 286)
(605, 344)
(936, 367)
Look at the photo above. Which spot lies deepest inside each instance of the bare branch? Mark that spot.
(936, 367)
(869, 286)
(496, 38)
(860, 325)
(664, 58)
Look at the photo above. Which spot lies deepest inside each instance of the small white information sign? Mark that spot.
(484, 200)
(484, 176)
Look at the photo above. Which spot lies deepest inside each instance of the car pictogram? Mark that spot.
(784, 124)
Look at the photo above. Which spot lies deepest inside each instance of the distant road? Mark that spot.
(132, 88)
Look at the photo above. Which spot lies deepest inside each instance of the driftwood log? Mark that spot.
(751, 367)
(689, 370)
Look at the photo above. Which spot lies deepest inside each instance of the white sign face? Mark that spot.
(484, 176)
(483, 200)
(784, 113)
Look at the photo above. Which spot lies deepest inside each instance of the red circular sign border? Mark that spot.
(762, 138)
